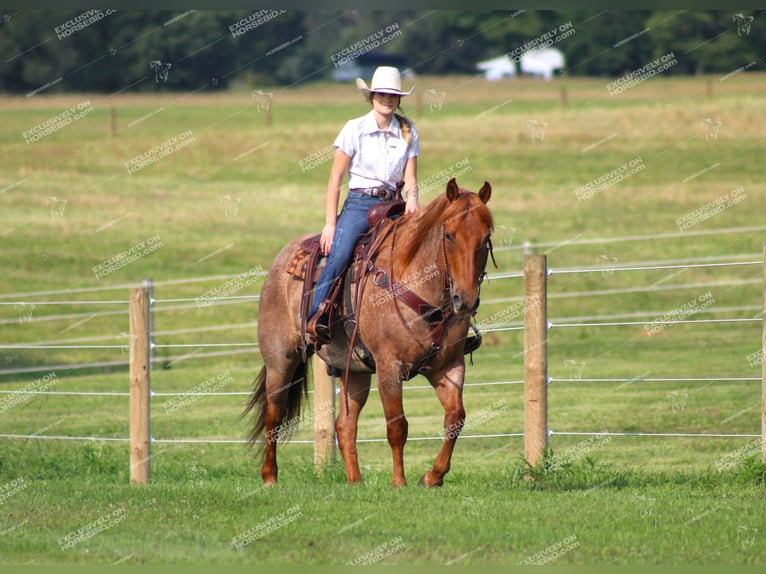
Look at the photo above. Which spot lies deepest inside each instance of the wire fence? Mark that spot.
(664, 319)
(22, 300)
(157, 304)
(576, 240)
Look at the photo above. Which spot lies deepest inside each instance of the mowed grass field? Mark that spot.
(248, 180)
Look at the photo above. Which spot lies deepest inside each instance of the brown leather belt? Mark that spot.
(379, 192)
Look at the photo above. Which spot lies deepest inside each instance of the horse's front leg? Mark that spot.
(390, 389)
(449, 389)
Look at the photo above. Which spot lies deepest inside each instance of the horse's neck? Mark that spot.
(426, 261)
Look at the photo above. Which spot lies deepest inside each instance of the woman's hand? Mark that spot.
(325, 241)
(412, 203)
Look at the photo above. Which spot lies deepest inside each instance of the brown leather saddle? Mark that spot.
(306, 265)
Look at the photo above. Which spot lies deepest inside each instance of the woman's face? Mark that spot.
(385, 104)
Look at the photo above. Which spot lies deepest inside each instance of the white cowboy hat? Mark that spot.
(386, 80)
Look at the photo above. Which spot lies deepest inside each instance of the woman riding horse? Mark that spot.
(417, 293)
(375, 150)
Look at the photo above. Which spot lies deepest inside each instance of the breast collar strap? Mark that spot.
(435, 316)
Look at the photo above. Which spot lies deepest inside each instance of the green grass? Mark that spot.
(193, 513)
(628, 499)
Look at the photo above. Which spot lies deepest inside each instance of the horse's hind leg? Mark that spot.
(272, 417)
(283, 386)
(449, 389)
(358, 388)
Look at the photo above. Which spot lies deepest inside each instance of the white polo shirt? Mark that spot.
(377, 156)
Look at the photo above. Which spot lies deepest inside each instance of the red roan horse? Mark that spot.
(439, 254)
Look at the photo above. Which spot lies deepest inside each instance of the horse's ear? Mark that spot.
(485, 192)
(452, 189)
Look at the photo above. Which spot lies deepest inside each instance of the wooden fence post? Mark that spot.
(324, 414)
(763, 366)
(535, 358)
(140, 366)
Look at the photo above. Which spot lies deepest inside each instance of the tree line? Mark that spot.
(124, 50)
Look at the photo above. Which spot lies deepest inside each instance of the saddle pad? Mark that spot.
(298, 263)
(300, 258)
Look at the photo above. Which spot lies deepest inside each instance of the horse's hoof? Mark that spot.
(429, 481)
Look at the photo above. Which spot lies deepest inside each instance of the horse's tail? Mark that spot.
(296, 391)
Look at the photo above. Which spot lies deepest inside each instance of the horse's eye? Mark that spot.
(449, 237)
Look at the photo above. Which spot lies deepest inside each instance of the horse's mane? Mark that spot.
(416, 227)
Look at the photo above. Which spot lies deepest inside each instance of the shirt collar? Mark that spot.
(370, 126)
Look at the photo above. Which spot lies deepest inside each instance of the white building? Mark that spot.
(543, 63)
(497, 68)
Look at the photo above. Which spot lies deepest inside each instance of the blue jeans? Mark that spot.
(351, 225)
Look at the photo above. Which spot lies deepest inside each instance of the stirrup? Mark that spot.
(472, 343)
(318, 328)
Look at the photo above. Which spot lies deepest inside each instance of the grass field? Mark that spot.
(225, 202)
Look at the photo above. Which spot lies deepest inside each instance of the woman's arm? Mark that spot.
(410, 191)
(339, 168)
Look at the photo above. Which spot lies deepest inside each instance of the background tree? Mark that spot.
(297, 46)
(702, 42)
(607, 44)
